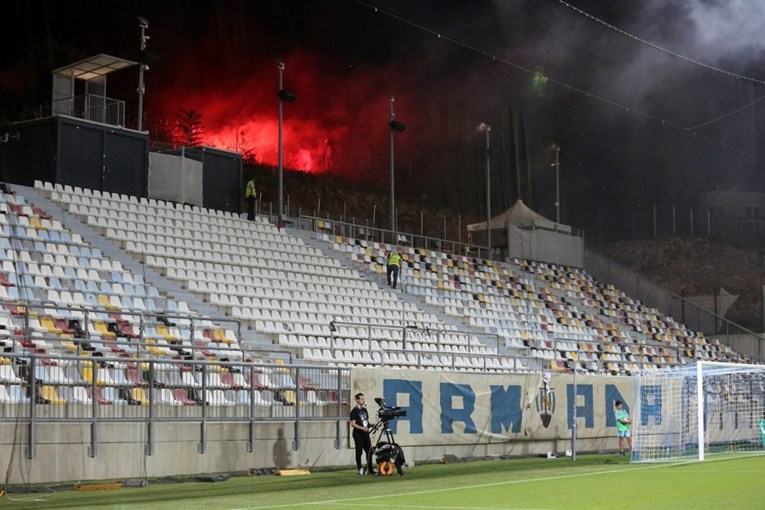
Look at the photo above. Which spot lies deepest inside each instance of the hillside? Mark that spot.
(686, 266)
(362, 201)
(697, 266)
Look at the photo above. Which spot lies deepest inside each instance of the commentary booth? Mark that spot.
(525, 234)
(85, 143)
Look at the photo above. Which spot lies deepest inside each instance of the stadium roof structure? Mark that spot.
(88, 100)
(95, 66)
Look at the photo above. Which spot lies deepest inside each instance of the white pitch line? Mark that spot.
(431, 507)
(466, 487)
(494, 484)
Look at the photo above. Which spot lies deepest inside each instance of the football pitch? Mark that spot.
(593, 481)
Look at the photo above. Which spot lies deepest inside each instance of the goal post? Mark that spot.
(692, 411)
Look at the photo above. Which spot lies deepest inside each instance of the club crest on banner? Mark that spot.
(546, 399)
(545, 405)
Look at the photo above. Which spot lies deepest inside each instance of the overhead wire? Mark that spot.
(628, 109)
(659, 48)
(681, 57)
(729, 114)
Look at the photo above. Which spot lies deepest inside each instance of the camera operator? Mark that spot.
(360, 426)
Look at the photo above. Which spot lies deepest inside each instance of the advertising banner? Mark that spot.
(466, 408)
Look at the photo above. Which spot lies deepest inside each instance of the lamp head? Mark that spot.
(397, 126)
(287, 96)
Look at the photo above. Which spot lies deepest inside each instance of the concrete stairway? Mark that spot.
(380, 280)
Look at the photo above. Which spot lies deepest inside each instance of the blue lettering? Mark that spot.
(650, 404)
(506, 409)
(450, 414)
(585, 411)
(612, 395)
(392, 388)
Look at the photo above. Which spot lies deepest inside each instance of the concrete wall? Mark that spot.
(62, 450)
(61, 453)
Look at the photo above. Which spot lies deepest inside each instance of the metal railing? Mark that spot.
(46, 388)
(443, 355)
(92, 107)
(134, 342)
(381, 235)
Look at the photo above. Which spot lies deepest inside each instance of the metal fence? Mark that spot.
(92, 107)
(44, 388)
(381, 235)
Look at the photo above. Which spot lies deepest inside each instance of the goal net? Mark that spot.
(697, 410)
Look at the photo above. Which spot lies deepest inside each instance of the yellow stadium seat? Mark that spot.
(162, 330)
(34, 221)
(87, 374)
(103, 300)
(139, 395)
(289, 396)
(49, 392)
(48, 324)
(100, 327)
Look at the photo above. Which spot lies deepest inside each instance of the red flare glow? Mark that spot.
(339, 121)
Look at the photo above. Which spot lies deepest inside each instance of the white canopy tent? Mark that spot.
(521, 216)
(529, 235)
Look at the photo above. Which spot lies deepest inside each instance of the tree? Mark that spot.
(189, 129)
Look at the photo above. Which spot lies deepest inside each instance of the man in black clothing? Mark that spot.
(360, 426)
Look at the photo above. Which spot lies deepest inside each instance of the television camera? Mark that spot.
(387, 452)
(387, 413)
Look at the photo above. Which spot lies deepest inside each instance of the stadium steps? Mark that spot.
(166, 287)
(381, 281)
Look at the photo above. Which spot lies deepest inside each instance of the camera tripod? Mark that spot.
(387, 451)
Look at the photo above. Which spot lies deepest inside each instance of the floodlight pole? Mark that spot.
(488, 190)
(143, 25)
(573, 424)
(557, 184)
(280, 221)
(487, 129)
(392, 175)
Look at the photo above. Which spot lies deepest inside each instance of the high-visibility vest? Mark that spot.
(394, 259)
(250, 190)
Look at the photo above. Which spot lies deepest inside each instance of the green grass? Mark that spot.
(592, 482)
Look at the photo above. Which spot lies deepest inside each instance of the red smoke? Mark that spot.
(338, 123)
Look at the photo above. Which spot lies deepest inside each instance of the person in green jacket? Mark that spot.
(394, 265)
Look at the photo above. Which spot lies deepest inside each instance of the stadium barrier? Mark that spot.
(111, 437)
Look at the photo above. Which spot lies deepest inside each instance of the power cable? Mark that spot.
(749, 104)
(686, 130)
(681, 57)
(659, 48)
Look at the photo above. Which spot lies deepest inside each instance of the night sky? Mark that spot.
(628, 117)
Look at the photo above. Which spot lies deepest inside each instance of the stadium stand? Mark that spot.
(561, 313)
(279, 286)
(64, 299)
